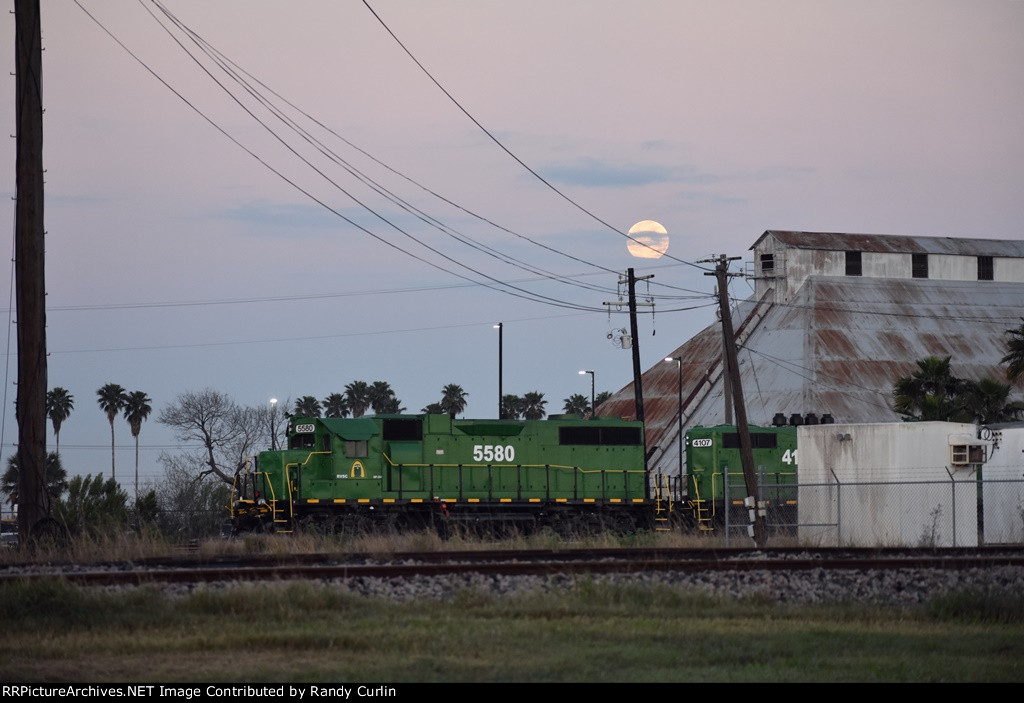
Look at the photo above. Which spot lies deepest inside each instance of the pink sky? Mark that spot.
(717, 119)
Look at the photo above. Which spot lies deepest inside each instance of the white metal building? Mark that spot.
(894, 484)
(834, 321)
(1003, 484)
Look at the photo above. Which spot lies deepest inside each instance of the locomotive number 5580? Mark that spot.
(494, 452)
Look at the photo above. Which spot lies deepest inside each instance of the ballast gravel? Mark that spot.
(818, 586)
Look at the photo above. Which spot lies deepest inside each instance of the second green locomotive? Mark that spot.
(714, 474)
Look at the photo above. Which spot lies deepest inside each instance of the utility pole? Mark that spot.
(638, 391)
(33, 501)
(753, 503)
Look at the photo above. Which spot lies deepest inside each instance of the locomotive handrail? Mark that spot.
(290, 487)
(308, 457)
(234, 486)
(524, 466)
(548, 485)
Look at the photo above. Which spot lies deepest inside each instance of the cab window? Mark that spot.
(302, 441)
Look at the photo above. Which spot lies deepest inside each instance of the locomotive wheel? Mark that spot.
(588, 525)
(560, 523)
(621, 524)
(393, 524)
(320, 524)
(354, 525)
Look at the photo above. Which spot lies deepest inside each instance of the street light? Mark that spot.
(499, 327)
(592, 408)
(273, 424)
(679, 390)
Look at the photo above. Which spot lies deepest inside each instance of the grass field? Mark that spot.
(590, 632)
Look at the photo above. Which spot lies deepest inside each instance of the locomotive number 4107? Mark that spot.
(494, 452)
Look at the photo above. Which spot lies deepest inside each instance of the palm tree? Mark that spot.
(136, 409)
(930, 393)
(111, 398)
(511, 406)
(433, 409)
(1014, 353)
(533, 405)
(56, 479)
(335, 405)
(453, 399)
(59, 404)
(577, 404)
(988, 400)
(307, 406)
(601, 397)
(382, 398)
(357, 395)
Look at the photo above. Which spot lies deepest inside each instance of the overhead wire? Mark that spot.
(508, 151)
(398, 173)
(236, 73)
(289, 298)
(796, 369)
(500, 286)
(900, 313)
(495, 284)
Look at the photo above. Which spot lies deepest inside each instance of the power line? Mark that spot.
(506, 149)
(490, 281)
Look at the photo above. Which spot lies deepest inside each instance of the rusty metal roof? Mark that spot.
(888, 243)
(836, 348)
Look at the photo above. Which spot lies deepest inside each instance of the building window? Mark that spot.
(985, 268)
(767, 264)
(853, 263)
(919, 265)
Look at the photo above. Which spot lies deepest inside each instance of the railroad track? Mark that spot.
(333, 567)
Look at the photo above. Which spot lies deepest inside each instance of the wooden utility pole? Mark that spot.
(638, 389)
(29, 269)
(752, 502)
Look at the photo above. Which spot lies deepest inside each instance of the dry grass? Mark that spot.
(129, 546)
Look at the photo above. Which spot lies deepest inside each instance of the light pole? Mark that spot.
(679, 391)
(273, 424)
(592, 408)
(500, 328)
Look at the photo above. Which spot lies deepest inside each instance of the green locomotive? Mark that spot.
(714, 474)
(414, 471)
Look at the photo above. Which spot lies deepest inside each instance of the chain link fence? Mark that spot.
(956, 512)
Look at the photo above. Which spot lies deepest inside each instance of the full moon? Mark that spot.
(648, 240)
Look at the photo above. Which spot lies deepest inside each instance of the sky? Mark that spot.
(361, 190)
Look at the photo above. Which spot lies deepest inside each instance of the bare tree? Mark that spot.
(190, 505)
(226, 433)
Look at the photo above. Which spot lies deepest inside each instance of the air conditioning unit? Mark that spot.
(967, 454)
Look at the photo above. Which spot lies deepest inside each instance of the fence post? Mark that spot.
(952, 481)
(726, 501)
(839, 508)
